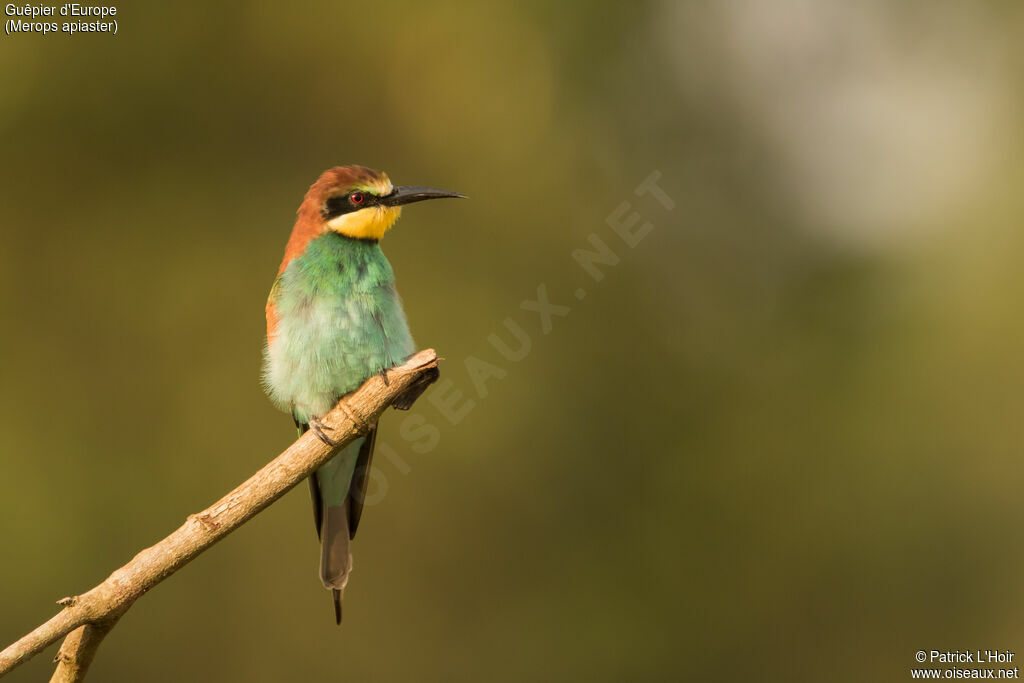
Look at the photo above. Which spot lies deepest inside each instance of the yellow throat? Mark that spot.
(366, 224)
(372, 222)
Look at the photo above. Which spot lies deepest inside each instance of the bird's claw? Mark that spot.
(318, 428)
(384, 376)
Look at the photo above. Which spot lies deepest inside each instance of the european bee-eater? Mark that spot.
(334, 320)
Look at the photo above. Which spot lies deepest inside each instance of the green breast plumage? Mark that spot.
(340, 321)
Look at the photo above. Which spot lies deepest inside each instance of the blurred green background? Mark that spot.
(780, 440)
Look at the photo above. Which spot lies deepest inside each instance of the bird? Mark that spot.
(334, 320)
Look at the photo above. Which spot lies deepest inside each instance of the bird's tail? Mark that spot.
(333, 482)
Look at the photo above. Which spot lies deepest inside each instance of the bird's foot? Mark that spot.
(384, 377)
(318, 428)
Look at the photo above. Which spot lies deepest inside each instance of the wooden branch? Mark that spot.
(96, 611)
(79, 648)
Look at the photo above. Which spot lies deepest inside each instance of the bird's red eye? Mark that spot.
(357, 198)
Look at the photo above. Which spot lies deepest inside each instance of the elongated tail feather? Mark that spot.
(338, 491)
(335, 555)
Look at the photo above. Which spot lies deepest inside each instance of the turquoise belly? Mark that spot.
(340, 322)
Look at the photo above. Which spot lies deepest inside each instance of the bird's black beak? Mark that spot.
(407, 194)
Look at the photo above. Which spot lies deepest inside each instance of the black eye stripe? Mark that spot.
(342, 204)
(335, 206)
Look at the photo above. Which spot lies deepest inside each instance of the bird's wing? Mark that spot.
(314, 485)
(272, 317)
(360, 480)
